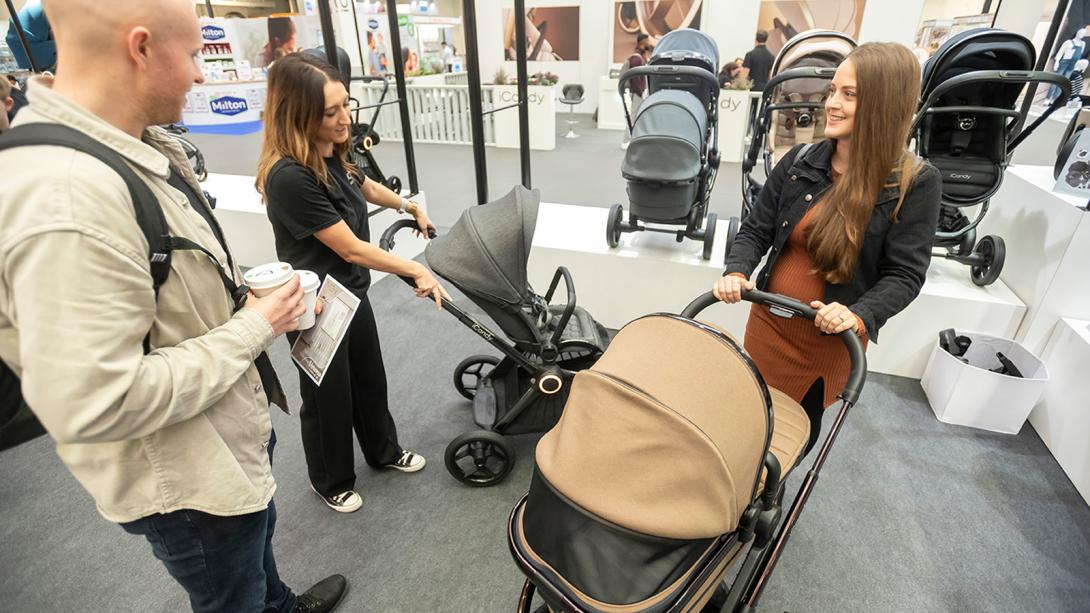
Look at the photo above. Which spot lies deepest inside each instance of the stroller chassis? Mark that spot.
(364, 137)
(492, 455)
(693, 222)
(760, 525)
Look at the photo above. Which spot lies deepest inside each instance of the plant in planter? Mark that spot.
(741, 83)
(501, 78)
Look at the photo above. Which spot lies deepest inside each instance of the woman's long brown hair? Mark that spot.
(294, 106)
(887, 80)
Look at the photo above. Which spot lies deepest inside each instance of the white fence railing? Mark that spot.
(438, 113)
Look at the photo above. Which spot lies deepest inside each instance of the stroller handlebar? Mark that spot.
(785, 306)
(689, 71)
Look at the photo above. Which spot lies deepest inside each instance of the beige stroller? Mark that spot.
(792, 109)
(668, 461)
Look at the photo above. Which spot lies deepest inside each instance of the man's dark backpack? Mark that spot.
(17, 423)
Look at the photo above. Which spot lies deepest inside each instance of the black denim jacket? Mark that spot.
(894, 257)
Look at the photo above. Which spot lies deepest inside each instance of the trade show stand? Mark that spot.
(651, 272)
(541, 112)
(1061, 418)
(246, 226)
(1048, 249)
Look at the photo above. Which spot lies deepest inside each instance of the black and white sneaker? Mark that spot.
(345, 502)
(409, 462)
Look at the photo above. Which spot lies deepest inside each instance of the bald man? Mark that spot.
(173, 443)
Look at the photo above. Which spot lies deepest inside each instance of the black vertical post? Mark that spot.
(325, 17)
(208, 7)
(524, 109)
(476, 116)
(22, 36)
(402, 94)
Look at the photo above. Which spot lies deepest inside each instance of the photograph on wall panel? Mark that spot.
(552, 34)
(652, 17)
(783, 19)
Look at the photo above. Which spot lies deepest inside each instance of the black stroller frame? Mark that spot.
(986, 256)
(694, 221)
(545, 369)
(764, 524)
(364, 136)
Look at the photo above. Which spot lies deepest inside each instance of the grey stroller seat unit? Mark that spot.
(671, 161)
(484, 255)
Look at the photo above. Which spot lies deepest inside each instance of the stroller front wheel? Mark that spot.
(480, 458)
(709, 236)
(613, 226)
(993, 252)
(471, 371)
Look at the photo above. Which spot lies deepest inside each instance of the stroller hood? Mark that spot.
(688, 42)
(667, 138)
(487, 249)
(813, 48)
(664, 436)
(979, 49)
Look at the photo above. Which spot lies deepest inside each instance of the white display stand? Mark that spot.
(248, 232)
(610, 111)
(651, 273)
(734, 112)
(541, 115)
(1048, 248)
(1062, 419)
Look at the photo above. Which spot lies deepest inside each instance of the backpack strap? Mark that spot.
(149, 215)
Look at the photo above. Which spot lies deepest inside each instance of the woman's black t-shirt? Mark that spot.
(299, 206)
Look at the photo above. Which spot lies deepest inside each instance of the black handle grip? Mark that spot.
(690, 71)
(386, 241)
(789, 307)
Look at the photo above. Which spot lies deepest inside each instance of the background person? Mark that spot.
(317, 203)
(281, 41)
(637, 86)
(757, 65)
(175, 444)
(848, 229)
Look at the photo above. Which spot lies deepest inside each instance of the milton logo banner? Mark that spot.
(212, 33)
(229, 105)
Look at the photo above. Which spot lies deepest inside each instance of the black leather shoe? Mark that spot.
(323, 596)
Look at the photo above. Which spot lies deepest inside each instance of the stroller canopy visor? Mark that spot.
(487, 249)
(816, 48)
(689, 41)
(978, 49)
(667, 138)
(665, 434)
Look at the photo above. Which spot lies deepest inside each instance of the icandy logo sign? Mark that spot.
(212, 33)
(228, 105)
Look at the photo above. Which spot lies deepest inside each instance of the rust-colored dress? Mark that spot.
(793, 353)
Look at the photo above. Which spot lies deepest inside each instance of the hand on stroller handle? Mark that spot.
(386, 243)
(785, 306)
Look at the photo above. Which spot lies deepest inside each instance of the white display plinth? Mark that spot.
(541, 115)
(1062, 419)
(734, 109)
(248, 232)
(650, 273)
(1048, 247)
(610, 111)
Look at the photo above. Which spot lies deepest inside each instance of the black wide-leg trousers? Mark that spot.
(352, 398)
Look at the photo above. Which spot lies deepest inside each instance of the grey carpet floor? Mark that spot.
(910, 514)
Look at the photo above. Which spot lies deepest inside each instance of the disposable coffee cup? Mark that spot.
(263, 280)
(310, 283)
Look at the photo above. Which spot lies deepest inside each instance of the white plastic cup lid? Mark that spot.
(269, 275)
(308, 280)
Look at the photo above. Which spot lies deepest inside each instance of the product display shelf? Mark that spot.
(1062, 418)
(651, 273)
(249, 234)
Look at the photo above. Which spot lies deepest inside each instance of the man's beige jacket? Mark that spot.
(185, 426)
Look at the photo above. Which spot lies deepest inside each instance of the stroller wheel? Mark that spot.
(613, 226)
(394, 183)
(709, 235)
(732, 232)
(994, 252)
(469, 373)
(480, 458)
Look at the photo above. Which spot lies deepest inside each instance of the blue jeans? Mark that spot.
(223, 563)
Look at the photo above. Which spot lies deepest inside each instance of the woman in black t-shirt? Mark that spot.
(317, 203)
